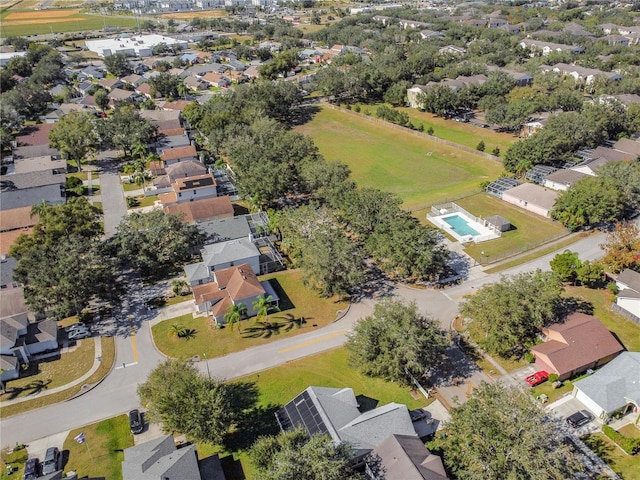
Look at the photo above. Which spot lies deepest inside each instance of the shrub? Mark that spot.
(481, 146)
(132, 202)
(553, 377)
(430, 130)
(356, 108)
(529, 357)
(613, 288)
(631, 446)
(496, 151)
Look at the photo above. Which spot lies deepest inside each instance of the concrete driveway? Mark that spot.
(567, 406)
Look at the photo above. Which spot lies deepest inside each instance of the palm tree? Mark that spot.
(179, 287)
(175, 329)
(262, 306)
(39, 209)
(234, 314)
(182, 90)
(139, 150)
(139, 178)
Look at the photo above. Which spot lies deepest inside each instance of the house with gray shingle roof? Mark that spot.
(160, 459)
(613, 388)
(335, 412)
(406, 457)
(223, 255)
(628, 298)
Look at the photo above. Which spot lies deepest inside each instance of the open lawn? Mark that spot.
(627, 332)
(419, 171)
(16, 459)
(462, 133)
(146, 200)
(296, 301)
(624, 465)
(528, 229)
(102, 454)
(52, 373)
(29, 22)
(191, 15)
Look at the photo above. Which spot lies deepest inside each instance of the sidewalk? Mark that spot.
(96, 363)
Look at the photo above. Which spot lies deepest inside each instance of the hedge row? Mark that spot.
(630, 445)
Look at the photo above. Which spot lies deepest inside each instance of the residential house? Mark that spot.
(613, 389)
(545, 48)
(628, 298)
(179, 170)
(160, 459)
(144, 89)
(188, 189)
(231, 228)
(31, 151)
(178, 105)
(171, 139)
(624, 99)
(216, 80)
(452, 50)
(84, 87)
(38, 164)
(194, 83)
(33, 135)
(232, 286)
(458, 83)
(110, 83)
(94, 72)
(203, 210)
(616, 40)
(134, 79)
(26, 189)
(13, 223)
(580, 74)
(534, 123)
(531, 197)
(223, 255)
(563, 179)
(522, 79)
(430, 35)
(579, 343)
(628, 146)
(404, 457)
(573, 28)
(335, 412)
(178, 154)
(120, 95)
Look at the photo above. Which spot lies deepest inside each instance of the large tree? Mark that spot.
(183, 400)
(63, 277)
(280, 65)
(75, 136)
(397, 340)
(293, 455)
(499, 433)
(126, 128)
(622, 247)
(117, 64)
(154, 242)
(506, 316)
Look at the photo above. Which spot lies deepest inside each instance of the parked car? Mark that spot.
(135, 422)
(75, 326)
(31, 469)
(579, 418)
(417, 415)
(51, 461)
(78, 334)
(537, 378)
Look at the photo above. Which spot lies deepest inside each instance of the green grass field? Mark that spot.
(15, 22)
(530, 229)
(624, 465)
(102, 454)
(419, 171)
(296, 301)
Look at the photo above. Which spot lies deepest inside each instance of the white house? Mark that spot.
(140, 45)
(628, 298)
(531, 197)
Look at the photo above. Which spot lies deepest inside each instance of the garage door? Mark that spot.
(589, 403)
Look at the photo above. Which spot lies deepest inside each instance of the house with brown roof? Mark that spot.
(187, 189)
(628, 146)
(110, 83)
(178, 154)
(232, 286)
(178, 170)
(204, 210)
(34, 135)
(178, 105)
(216, 80)
(579, 343)
(628, 298)
(405, 457)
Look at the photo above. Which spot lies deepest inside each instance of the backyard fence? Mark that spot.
(489, 259)
(446, 208)
(426, 136)
(628, 315)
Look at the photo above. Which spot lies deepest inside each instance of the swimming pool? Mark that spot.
(460, 225)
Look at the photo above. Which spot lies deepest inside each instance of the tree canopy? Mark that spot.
(125, 128)
(507, 316)
(117, 64)
(154, 241)
(622, 247)
(396, 341)
(74, 135)
(184, 400)
(292, 456)
(499, 433)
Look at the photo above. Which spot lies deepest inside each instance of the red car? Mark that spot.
(537, 378)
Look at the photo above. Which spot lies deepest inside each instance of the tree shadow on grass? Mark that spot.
(33, 388)
(270, 328)
(600, 447)
(232, 468)
(285, 302)
(258, 422)
(304, 114)
(570, 305)
(188, 333)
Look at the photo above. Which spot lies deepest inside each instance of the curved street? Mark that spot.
(136, 354)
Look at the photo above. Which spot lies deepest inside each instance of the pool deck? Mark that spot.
(484, 233)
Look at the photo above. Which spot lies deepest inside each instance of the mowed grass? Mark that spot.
(624, 465)
(419, 171)
(296, 301)
(102, 454)
(51, 374)
(57, 21)
(527, 228)
(462, 133)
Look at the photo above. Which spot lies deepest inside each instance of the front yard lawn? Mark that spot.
(102, 454)
(624, 465)
(52, 373)
(296, 301)
(419, 171)
(146, 201)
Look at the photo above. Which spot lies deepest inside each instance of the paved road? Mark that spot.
(117, 393)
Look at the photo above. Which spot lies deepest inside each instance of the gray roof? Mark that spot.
(196, 271)
(10, 329)
(498, 221)
(160, 460)
(565, 176)
(43, 331)
(8, 363)
(173, 141)
(7, 266)
(230, 251)
(189, 168)
(615, 384)
(33, 164)
(225, 229)
(30, 196)
(406, 457)
(31, 151)
(630, 278)
(40, 178)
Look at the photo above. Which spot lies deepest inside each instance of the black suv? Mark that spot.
(135, 422)
(51, 461)
(579, 418)
(31, 469)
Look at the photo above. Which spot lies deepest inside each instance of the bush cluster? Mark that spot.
(630, 445)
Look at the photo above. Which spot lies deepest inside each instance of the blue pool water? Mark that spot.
(460, 226)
